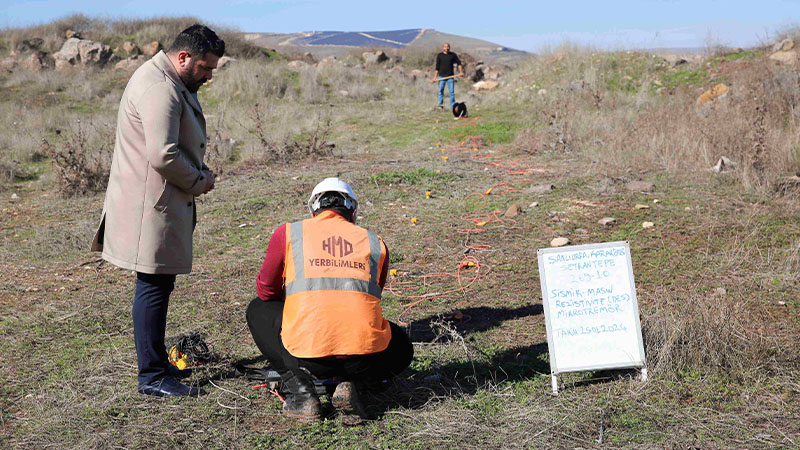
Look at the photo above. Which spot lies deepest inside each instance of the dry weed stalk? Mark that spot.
(316, 144)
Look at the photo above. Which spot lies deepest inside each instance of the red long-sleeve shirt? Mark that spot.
(270, 283)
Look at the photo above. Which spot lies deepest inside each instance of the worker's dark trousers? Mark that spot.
(264, 319)
(150, 323)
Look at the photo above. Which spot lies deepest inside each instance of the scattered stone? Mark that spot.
(224, 62)
(376, 57)
(542, 92)
(607, 221)
(129, 64)
(485, 85)
(32, 289)
(647, 224)
(533, 205)
(559, 242)
(640, 206)
(655, 200)
(328, 61)
(581, 230)
(14, 196)
(8, 64)
(344, 93)
(308, 58)
(297, 65)
(540, 189)
(69, 34)
(717, 92)
(674, 60)
(783, 46)
(724, 164)
(130, 48)
(513, 211)
(688, 208)
(151, 49)
(720, 291)
(789, 58)
(639, 186)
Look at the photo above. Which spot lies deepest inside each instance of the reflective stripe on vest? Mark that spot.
(301, 283)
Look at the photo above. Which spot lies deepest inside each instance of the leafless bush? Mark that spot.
(313, 143)
(712, 332)
(81, 158)
(311, 88)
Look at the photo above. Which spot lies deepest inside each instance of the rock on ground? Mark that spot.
(82, 52)
(374, 57)
(297, 65)
(540, 189)
(674, 60)
(485, 85)
(151, 49)
(607, 221)
(130, 48)
(724, 164)
(785, 57)
(559, 242)
(713, 94)
(129, 64)
(513, 211)
(639, 186)
(783, 46)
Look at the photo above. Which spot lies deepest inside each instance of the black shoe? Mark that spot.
(301, 402)
(170, 387)
(347, 400)
(174, 372)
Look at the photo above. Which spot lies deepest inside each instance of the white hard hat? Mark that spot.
(333, 184)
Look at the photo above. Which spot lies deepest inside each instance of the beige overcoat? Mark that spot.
(149, 212)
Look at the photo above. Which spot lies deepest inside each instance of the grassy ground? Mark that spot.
(716, 277)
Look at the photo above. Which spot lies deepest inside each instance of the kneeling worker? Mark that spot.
(318, 312)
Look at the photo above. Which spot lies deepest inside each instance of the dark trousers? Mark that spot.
(264, 319)
(149, 324)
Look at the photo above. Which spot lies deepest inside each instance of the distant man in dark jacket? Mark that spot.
(444, 69)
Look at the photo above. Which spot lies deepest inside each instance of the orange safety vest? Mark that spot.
(332, 293)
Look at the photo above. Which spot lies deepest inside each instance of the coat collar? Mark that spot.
(162, 61)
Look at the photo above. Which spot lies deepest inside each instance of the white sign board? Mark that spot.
(590, 308)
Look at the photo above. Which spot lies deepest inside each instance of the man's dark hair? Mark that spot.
(198, 40)
(335, 202)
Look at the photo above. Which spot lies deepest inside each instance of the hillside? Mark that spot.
(692, 162)
(339, 43)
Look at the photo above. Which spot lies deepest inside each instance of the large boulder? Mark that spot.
(328, 61)
(130, 48)
(374, 57)
(788, 58)
(129, 64)
(69, 34)
(81, 53)
(674, 60)
(37, 61)
(27, 45)
(224, 62)
(8, 65)
(297, 65)
(151, 49)
(783, 46)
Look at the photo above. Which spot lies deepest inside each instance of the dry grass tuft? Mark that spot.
(81, 158)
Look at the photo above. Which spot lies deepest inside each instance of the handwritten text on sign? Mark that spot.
(590, 307)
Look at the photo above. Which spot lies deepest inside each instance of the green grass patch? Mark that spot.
(494, 132)
(687, 77)
(410, 177)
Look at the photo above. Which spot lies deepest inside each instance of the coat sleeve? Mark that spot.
(269, 282)
(160, 111)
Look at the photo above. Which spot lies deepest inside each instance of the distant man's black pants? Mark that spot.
(264, 319)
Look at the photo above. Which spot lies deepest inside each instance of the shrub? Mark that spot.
(81, 158)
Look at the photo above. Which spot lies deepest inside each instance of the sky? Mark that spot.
(531, 25)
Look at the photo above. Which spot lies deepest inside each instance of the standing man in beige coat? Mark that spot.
(157, 170)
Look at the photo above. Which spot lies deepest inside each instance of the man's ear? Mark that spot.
(183, 58)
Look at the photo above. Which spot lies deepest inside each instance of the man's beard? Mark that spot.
(191, 84)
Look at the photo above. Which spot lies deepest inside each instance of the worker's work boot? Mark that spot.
(347, 400)
(301, 401)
